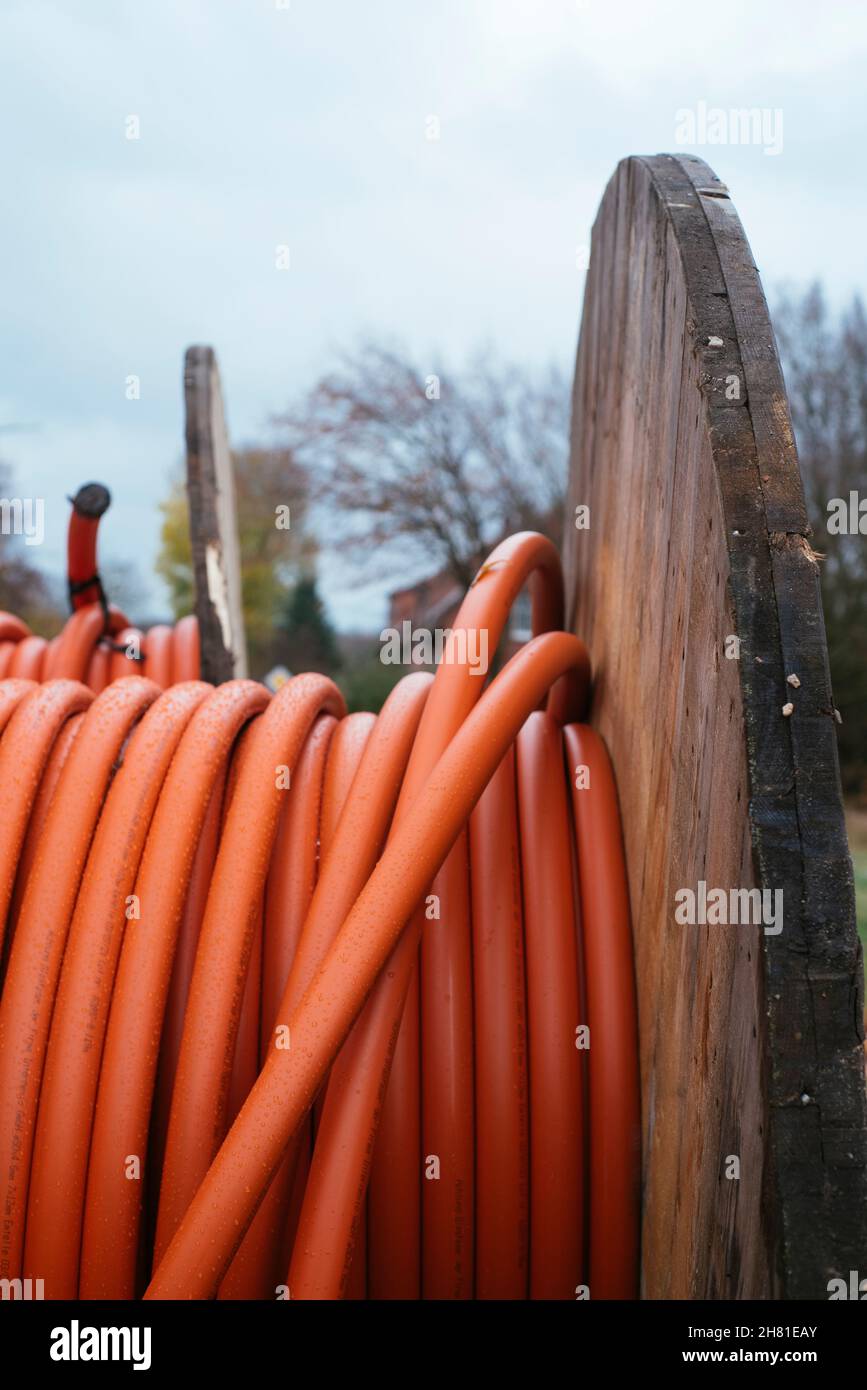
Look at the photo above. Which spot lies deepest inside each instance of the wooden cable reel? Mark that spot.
(751, 1041)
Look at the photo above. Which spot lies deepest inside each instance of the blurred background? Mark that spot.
(379, 215)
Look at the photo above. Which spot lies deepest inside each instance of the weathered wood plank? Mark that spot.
(213, 525)
(751, 1043)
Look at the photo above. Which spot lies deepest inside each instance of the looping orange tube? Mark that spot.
(40, 939)
(199, 1102)
(96, 645)
(361, 1075)
(95, 650)
(292, 1000)
(228, 1196)
(71, 1076)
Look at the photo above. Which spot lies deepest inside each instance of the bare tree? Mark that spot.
(24, 589)
(825, 364)
(430, 466)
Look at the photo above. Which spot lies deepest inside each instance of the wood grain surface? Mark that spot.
(213, 525)
(751, 1042)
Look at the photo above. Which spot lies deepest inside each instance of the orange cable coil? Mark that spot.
(295, 1003)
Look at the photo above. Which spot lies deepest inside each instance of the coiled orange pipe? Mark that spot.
(226, 1068)
(97, 645)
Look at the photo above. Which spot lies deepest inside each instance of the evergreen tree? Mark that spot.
(311, 643)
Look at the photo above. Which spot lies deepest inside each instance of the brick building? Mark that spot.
(433, 603)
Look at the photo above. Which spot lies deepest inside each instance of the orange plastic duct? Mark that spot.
(295, 1003)
(97, 645)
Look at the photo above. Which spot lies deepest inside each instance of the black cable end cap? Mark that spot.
(92, 500)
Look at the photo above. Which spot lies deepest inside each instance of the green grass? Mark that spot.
(856, 825)
(859, 861)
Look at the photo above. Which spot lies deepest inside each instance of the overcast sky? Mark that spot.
(304, 124)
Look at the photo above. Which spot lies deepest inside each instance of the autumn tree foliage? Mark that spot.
(276, 546)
